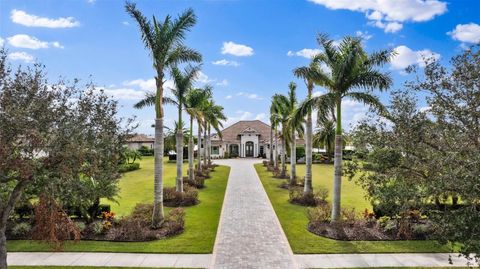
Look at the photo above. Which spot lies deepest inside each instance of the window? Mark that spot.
(215, 150)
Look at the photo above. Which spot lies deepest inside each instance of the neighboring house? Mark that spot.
(248, 138)
(140, 140)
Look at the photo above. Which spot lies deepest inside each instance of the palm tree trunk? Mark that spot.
(209, 149)
(191, 173)
(158, 214)
(308, 186)
(271, 146)
(284, 166)
(205, 146)
(337, 178)
(179, 138)
(293, 161)
(275, 157)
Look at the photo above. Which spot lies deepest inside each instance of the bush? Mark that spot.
(319, 214)
(136, 227)
(384, 209)
(198, 182)
(80, 226)
(322, 193)
(127, 167)
(145, 151)
(97, 228)
(188, 197)
(226, 155)
(21, 229)
(298, 197)
(349, 215)
(300, 152)
(383, 221)
(24, 210)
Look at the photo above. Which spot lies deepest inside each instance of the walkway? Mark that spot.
(249, 235)
(102, 260)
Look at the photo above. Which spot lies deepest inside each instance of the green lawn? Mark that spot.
(294, 220)
(201, 221)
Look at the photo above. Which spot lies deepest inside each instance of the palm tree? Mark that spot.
(309, 74)
(350, 69)
(214, 116)
(274, 121)
(325, 135)
(183, 82)
(164, 41)
(285, 107)
(281, 116)
(194, 102)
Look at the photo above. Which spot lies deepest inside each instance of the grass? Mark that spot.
(201, 221)
(294, 220)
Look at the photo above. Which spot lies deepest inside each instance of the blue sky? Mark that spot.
(249, 46)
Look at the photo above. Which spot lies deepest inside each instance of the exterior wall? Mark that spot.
(137, 145)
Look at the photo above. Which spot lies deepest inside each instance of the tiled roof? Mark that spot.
(230, 134)
(141, 138)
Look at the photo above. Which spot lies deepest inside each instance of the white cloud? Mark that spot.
(222, 83)
(468, 33)
(23, 18)
(236, 49)
(31, 42)
(363, 35)
(306, 53)
(203, 78)
(149, 85)
(225, 62)
(244, 115)
(126, 23)
(250, 95)
(2, 41)
(390, 15)
(20, 56)
(406, 56)
(123, 93)
(352, 112)
(228, 96)
(91, 1)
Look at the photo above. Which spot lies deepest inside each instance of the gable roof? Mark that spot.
(141, 138)
(230, 134)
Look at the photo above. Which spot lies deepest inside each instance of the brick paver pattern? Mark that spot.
(250, 235)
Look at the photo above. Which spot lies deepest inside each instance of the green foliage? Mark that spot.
(97, 227)
(145, 151)
(300, 152)
(21, 229)
(320, 214)
(127, 167)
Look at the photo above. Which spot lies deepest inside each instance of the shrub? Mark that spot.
(198, 182)
(145, 151)
(127, 167)
(97, 228)
(322, 193)
(297, 196)
(390, 226)
(188, 197)
(24, 210)
(300, 152)
(384, 209)
(349, 215)
(80, 226)
(142, 211)
(383, 221)
(175, 221)
(108, 216)
(319, 214)
(21, 229)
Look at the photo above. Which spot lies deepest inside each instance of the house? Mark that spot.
(140, 140)
(246, 138)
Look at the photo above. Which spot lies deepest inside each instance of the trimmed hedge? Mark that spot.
(127, 167)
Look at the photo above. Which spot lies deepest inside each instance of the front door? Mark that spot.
(249, 149)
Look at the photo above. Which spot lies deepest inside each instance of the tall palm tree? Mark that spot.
(285, 107)
(164, 41)
(281, 115)
(351, 70)
(183, 82)
(194, 102)
(274, 121)
(214, 116)
(309, 74)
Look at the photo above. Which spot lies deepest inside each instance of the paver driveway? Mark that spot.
(250, 235)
